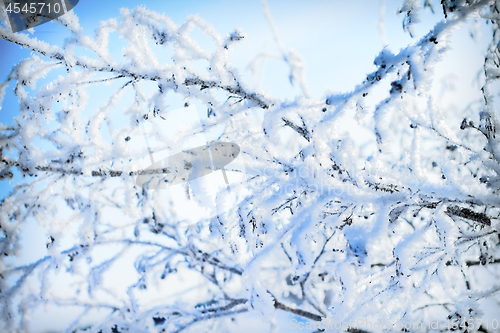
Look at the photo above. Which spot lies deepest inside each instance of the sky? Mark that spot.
(338, 41)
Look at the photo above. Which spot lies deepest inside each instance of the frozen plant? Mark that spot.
(325, 229)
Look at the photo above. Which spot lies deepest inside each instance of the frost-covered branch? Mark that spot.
(325, 229)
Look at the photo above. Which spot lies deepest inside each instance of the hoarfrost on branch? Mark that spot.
(323, 232)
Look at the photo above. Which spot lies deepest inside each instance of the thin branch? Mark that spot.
(303, 131)
(476, 263)
(298, 312)
(238, 90)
